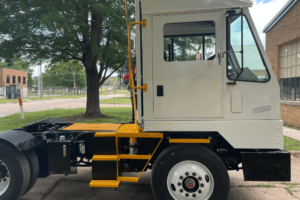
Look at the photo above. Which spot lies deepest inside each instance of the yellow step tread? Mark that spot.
(128, 179)
(92, 127)
(105, 183)
(120, 156)
(128, 128)
(138, 157)
(105, 134)
(105, 158)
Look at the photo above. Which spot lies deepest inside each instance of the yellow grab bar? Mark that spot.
(131, 81)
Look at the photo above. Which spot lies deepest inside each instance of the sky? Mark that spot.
(262, 13)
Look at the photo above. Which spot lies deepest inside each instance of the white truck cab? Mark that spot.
(229, 88)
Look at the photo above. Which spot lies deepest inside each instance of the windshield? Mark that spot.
(254, 65)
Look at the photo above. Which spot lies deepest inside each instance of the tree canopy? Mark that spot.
(93, 32)
(63, 75)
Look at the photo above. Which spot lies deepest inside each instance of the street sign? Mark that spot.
(75, 87)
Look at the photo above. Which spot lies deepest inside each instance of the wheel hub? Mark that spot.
(190, 183)
(187, 180)
(4, 178)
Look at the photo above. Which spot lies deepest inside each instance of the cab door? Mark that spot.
(186, 67)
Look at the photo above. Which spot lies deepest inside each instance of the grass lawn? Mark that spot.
(113, 115)
(118, 100)
(291, 144)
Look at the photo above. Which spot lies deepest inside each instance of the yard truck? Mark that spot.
(206, 100)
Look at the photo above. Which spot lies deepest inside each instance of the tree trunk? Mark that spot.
(92, 103)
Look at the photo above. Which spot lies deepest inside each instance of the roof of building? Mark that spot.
(280, 14)
(13, 69)
(152, 7)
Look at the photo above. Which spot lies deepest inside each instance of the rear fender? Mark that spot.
(20, 139)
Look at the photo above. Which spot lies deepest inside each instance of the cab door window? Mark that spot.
(189, 41)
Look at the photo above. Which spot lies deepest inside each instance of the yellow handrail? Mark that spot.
(131, 81)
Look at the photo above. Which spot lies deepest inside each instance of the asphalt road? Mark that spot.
(75, 187)
(33, 106)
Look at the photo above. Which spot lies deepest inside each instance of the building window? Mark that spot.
(290, 89)
(289, 70)
(14, 80)
(19, 79)
(24, 80)
(189, 41)
(8, 79)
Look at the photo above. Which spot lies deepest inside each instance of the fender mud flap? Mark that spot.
(267, 165)
(21, 139)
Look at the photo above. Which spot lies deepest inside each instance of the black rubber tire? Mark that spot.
(34, 167)
(19, 171)
(183, 152)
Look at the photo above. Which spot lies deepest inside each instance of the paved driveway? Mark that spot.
(75, 187)
(33, 106)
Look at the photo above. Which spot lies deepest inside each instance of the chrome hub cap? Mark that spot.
(4, 178)
(190, 180)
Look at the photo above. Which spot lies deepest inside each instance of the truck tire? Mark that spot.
(189, 171)
(14, 172)
(34, 168)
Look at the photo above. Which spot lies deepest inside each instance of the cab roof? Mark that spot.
(152, 7)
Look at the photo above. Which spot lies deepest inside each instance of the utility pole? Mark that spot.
(74, 83)
(41, 81)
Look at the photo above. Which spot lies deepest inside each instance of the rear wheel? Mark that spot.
(14, 172)
(34, 168)
(183, 172)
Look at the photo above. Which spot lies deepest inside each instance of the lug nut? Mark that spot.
(187, 174)
(194, 195)
(200, 178)
(4, 179)
(179, 184)
(181, 190)
(194, 174)
(187, 195)
(202, 185)
(181, 177)
(199, 191)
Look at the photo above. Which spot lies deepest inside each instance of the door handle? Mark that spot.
(160, 90)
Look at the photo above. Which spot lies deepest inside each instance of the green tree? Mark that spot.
(63, 75)
(18, 63)
(93, 32)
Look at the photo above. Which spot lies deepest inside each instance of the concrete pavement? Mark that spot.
(41, 105)
(75, 187)
(292, 133)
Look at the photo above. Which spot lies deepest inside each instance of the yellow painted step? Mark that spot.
(105, 158)
(105, 134)
(128, 179)
(120, 156)
(92, 127)
(105, 183)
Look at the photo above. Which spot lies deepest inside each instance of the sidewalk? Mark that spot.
(292, 133)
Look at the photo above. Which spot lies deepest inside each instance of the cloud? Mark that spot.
(263, 12)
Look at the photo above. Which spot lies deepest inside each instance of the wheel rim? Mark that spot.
(4, 178)
(190, 180)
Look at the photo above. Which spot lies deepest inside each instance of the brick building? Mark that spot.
(13, 83)
(283, 50)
